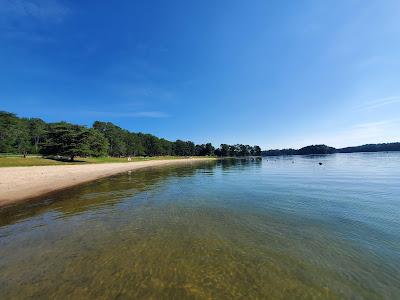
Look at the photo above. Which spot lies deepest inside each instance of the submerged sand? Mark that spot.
(21, 183)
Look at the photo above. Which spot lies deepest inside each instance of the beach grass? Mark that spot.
(18, 161)
(29, 161)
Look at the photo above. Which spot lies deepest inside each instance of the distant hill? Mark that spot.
(324, 149)
(371, 148)
(316, 149)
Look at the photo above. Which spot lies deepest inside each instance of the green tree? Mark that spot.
(233, 150)
(256, 150)
(190, 148)
(130, 142)
(199, 149)
(316, 149)
(37, 132)
(180, 148)
(167, 147)
(115, 136)
(225, 150)
(22, 142)
(218, 152)
(139, 146)
(8, 132)
(209, 149)
(152, 145)
(98, 144)
(67, 140)
(243, 150)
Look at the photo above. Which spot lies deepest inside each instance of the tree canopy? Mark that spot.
(238, 150)
(73, 140)
(33, 135)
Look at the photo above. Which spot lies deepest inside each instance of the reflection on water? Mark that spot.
(107, 191)
(279, 228)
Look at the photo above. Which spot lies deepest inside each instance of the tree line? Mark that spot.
(238, 150)
(35, 136)
(324, 149)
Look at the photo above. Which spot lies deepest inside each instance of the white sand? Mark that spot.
(20, 183)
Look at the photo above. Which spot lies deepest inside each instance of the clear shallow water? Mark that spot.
(282, 228)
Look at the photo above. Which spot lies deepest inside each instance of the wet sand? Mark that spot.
(22, 183)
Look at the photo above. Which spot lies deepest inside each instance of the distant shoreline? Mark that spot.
(324, 149)
(23, 183)
(388, 151)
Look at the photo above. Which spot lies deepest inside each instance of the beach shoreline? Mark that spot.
(19, 184)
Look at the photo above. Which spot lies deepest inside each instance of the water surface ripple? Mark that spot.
(280, 228)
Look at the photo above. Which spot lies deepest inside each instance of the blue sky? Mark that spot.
(272, 73)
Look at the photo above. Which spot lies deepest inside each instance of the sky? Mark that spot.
(278, 74)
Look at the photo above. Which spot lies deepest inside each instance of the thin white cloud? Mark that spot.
(21, 19)
(36, 9)
(363, 133)
(382, 131)
(150, 114)
(377, 103)
(372, 131)
(145, 91)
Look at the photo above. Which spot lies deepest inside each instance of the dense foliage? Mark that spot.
(323, 149)
(316, 149)
(73, 140)
(238, 150)
(31, 135)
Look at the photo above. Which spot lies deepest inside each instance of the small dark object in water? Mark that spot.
(320, 163)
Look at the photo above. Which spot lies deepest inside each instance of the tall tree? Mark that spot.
(67, 140)
(115, 136)
(180, 148)
(98, 144)
(209, 149)
(225, 150)
(8, 131)
(243, 150)
(22, 141)
(256, 150)
(152, 145)
(139, 144)
(190, 148)
(37, 131)
(233, 150)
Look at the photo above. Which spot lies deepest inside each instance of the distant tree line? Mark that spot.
(35, 136)
(323, 149)
(238, 150)
(371, 148)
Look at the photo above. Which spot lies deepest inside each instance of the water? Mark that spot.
(283, 228)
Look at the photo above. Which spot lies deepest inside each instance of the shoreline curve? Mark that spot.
(19, 184)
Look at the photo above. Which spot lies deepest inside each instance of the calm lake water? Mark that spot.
(281, 228)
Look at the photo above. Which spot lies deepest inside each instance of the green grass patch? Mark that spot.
(14, 161)
(20, 161)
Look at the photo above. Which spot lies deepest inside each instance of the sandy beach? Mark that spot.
(21, 183)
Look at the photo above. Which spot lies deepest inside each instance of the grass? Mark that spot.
(15, 161)
(29, 161)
